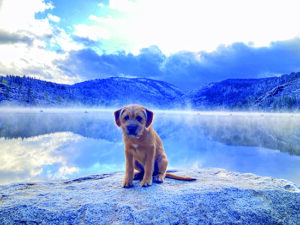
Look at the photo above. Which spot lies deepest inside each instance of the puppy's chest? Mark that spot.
(138, 151)
(135, 147)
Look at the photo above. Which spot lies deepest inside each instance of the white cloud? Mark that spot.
(196, 25)
(101, 4)
(18, 15)
(92, 32)
(53, 18)
(29, 54)
(122, 5)
(102, 20)
(35, 60)
(64, 41)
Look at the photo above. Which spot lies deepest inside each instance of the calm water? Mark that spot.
(43, 145)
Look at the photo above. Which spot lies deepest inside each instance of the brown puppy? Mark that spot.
(144, 150)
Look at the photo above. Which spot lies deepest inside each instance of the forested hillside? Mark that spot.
(268, 94)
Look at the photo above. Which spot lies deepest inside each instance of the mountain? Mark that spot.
(122, 91)
(114, 91)
(270, 94)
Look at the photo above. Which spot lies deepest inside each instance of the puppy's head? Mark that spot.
(133, 119)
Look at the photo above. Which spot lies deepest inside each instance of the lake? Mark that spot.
(50, 144)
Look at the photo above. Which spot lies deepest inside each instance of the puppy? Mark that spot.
(144, 150)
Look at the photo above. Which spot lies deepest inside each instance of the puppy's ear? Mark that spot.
(149, 115)
(117, 117)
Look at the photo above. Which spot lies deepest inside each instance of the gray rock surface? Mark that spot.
(218, 197)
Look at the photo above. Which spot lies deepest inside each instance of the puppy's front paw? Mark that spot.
(127, 184)
(146, 183)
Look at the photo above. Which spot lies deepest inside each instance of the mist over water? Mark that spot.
(51, 144)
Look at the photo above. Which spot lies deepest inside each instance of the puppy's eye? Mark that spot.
(126, 118)
(139, 119)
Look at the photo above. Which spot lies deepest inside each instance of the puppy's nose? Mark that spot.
(131, 130)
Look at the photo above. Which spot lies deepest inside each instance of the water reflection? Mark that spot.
(55, 156)
(92, 124)
(54, 145)
(273, 131)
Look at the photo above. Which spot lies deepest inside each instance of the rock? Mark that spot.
(218, 196)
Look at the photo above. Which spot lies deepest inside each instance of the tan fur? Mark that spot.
(144, 150)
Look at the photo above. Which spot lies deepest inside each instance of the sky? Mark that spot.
(187, 43)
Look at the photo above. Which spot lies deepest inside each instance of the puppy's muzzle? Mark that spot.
(132, 130)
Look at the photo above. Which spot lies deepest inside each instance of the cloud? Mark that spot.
(243, 61)
(53, 18)
(189, 69)
(122, 5)
(18, 16)
(11, 38)
(91, 32)
(238, 60)
(194, 26)
(90, 65)
(30, 45)
(63, 41)
(85, 41)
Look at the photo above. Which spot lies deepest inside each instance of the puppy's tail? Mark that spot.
(176, 177)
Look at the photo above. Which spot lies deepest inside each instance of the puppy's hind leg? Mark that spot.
(160, 170)
(139, 167)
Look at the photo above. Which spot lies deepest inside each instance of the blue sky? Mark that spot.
(188, 43)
